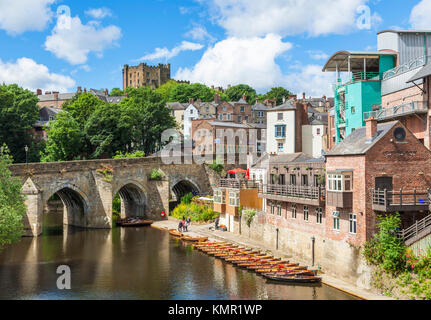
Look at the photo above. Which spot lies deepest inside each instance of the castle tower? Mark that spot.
(145, 75)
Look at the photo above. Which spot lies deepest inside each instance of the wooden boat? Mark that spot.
(290, 272)
(133, 222)
(256, 260)
(262, 263)
(194, 239)
(295, 279)
(175, 233)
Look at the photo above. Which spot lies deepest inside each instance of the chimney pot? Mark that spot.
(244, 97)
(39, 92)
(371, 127)
(303, 95)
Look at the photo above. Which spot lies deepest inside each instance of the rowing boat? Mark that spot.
(133, 222)
(195, 239)
(175, 233)
(295, 279)
(260, 262)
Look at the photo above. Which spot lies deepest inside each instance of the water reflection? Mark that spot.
(135, 263)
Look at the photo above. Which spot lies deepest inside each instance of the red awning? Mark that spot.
(237, 171)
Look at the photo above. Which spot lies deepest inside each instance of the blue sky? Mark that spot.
(217, 42)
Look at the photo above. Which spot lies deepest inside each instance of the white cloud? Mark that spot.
(249, 18)
(317, 54)
(30, 75)
(420, 15)
(311, 80)
(165, 53)
(99, 13)
(199, 33)
(18, 16)
(239, 60)
(73, 41)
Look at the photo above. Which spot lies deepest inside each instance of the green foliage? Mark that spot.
(18, 112)
(277, 93)
(116, 92)
(165, 89)
(12, 205)
(249, 216)
(187, 199)
(184, 92)
(386, 249)
(116, 205)
(82, 107)
(235, 93)
(195, 211)
(217, 167)
(107, 172)
(137, 154)
(156, 175)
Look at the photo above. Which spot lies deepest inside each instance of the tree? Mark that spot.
(165, 89)
(236, 92)
(82, 107)
(151, 116)
(18, 112)
(12, 203)
(116, 92)
(184, 92)
(65, 140)
(109, 130)
(278, 93)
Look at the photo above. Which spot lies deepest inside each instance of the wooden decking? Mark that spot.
(414, 233)
(393, 201)
(307, 195)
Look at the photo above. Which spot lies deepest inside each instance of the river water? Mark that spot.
(133, 263)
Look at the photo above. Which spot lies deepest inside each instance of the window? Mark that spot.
(211, 147)
(182, 117)
(239, 119)
(191, 111)
(279, 116)
(207, 109)
(319, 215)
(282, 179)
(234, 198)
(224, 108)
(318, 131)
(336, 220)
(259, 148)
(219, 196)
(228, 116)
(242, 109)
(304, 180)
(148, 74)
(305, 213)
(246, 118)
(279, 210)
(280, 131)
(293, 211)
(272, 208)
(352, 109)
(352, 223)
(280, 147)
(293, 179)
(273, 178)
(340, 182)
(260, 114)
(220, 116)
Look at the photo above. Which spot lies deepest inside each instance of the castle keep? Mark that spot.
(145, 75)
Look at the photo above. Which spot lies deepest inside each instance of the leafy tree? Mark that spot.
(65, 139)
(116, 92)
(109, 130)
(223, 96)
(137, 154)
(277, 93)
(151, 116)
(236, 92)
(82, 107)
(12, 205)
(18, 112)
(165, 89)
(183, 92)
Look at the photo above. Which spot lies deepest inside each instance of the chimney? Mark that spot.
(85, 90)
(371, 128)
(79, 89)
(47, 92)
(257, 100)
(106, 92)
(228, 86)
(303, 95)
(216, 98)
(55, 95)
(39, 92)
(284, 99)
(199, 101)
(324, 97)
(191, 100)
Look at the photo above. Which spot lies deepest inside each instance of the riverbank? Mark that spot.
(217, 235)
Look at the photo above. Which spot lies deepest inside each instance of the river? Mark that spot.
(133, 263)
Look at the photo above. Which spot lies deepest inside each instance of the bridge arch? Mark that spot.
(182, 186)
(75, 204)
(133, 199)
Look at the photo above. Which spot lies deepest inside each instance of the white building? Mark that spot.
(315, 135)
(191, 113)
(281, 129)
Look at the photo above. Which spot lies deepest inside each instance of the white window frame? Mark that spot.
(294, 211)
(353, 222)
(337, 181)
(319, 215)
(279, 210)
(306, 212)
(336, 217)
(234, 198)
(219, 196)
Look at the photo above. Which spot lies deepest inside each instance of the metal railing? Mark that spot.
(239, 184)
(398, 111)
(294, 191)
(413, 231)
(366, 76)
(389, 198)
(412, 64)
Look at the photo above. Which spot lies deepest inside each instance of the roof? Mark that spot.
(404, 31)
(227, 124)
(242, 101)
(341, 58)
(286, 106)
(61, 96)
(319, 119)
(175, 106)
(423, 73)
(357, 143)
(288, 157)
(259, 107)
(257, 125)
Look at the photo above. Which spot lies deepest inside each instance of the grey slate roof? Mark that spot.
(288, 157)
(259, 107)
(61, 96)
(356, 143)
(175, 106)
(286, 106)
(319, 119)
(227, 124)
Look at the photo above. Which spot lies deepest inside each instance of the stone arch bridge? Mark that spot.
(87, 189)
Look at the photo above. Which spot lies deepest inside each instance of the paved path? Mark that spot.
(207, 230)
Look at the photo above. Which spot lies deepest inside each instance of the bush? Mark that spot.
(187, 199)
(157, 175)
(195, 211)
(217, 167)
(249, 216)
(137, 154)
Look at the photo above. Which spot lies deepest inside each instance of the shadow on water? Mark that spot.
(132, 263)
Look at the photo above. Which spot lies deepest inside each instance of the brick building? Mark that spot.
(53, 99)
(145, 75)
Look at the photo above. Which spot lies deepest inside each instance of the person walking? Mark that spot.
(188, 223)
(180, 226)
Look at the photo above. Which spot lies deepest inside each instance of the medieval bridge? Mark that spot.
(87, 189)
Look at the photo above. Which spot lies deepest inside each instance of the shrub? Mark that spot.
(187, 199)
(217, 167)
(249, 216)
(195, 211)
(156, 174)
(137, 154)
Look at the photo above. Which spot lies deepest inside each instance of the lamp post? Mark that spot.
(26, 156)
(313, 239)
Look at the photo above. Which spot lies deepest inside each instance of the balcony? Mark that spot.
(342, 200)
(356, 77)
(411, 108)
(306, 195)
(393, 201)
(416, 232)
(413, 64)
(238, 184)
